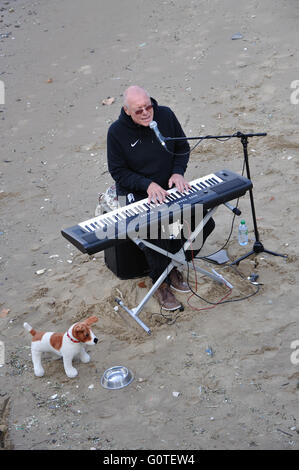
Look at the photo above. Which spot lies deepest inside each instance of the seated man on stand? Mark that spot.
(143, 168)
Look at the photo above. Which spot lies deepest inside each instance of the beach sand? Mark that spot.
(211, 376)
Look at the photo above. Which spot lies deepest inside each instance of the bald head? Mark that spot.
(138, 99)
(134, 92)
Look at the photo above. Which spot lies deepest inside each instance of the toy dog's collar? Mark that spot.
(73, 340)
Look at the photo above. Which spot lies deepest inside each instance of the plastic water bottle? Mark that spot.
(243, 233)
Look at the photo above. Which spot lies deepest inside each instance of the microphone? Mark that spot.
(154, 126)
(235, 210)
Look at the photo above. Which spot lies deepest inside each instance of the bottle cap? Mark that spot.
(242, 221)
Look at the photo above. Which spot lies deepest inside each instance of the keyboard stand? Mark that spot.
(177, 260)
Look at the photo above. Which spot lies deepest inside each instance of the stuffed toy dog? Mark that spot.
(67, 345)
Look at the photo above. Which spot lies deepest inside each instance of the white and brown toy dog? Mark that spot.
(66, 345)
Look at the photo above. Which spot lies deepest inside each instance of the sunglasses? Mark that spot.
(146, 108)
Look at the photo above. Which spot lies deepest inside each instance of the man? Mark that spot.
(142, 167)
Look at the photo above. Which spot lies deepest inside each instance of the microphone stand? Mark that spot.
(258, 247)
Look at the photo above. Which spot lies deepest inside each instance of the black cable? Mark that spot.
(223, 139)
(224, 301)
(184, 153)
(230, 233)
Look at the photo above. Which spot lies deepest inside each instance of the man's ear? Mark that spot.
(127, 111)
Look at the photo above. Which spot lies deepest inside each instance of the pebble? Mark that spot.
(5, 35)
(108, 101)
(210, 352)
(237, 36)
(40, 271)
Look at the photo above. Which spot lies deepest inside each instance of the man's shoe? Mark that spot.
(177, 282)
(166, 298)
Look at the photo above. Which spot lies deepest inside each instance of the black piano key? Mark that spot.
(132, 212)
(102, 226)
(215, 181)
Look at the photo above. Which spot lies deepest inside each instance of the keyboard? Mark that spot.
(98, 233)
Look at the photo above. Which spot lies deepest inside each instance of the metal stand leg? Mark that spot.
(257, 246)
(178, 260)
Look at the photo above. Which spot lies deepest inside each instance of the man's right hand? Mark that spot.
(156, 193)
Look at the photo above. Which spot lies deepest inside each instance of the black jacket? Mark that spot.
(136, 158)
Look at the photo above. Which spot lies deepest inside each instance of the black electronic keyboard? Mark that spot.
(98, 233)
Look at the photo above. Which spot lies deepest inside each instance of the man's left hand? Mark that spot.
(180, 183)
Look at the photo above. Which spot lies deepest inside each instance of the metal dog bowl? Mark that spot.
(116, 377)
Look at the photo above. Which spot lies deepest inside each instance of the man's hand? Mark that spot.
(156, 193)
(180, 183)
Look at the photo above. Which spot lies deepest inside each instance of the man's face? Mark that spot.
(140, 109)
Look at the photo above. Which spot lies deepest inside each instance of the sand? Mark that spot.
(217, 378)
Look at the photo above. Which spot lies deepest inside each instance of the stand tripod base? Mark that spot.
(258, 247)
(178, 260)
